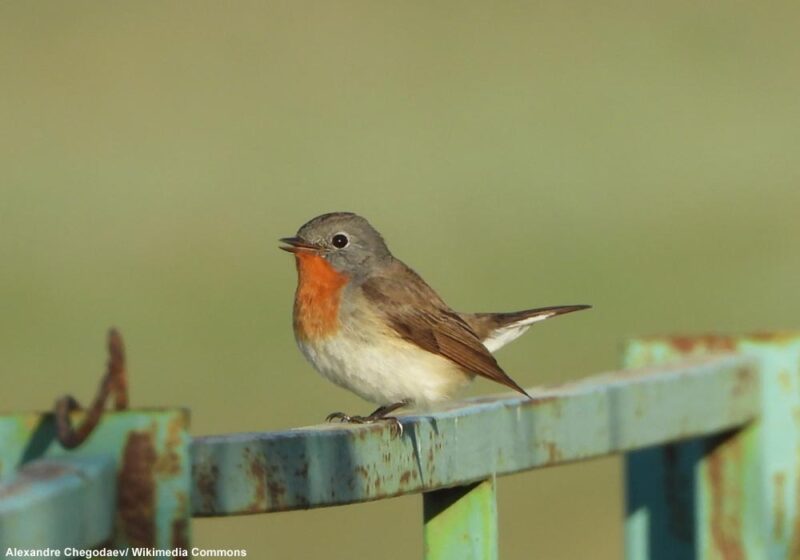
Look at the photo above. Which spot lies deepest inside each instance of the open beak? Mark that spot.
(297, 245)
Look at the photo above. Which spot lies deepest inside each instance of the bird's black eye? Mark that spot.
(340, 241)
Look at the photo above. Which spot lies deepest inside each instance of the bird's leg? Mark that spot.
(380, 414)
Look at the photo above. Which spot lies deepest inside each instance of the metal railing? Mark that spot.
(709, 428)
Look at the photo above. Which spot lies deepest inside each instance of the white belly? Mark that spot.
(384, 370)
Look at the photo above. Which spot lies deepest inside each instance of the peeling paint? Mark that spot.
(257, 473)
(726, 506)
(205, 481)
(794, 545)
(749, 487)
(136, 493)
(169, 461)
(707, 343)
(316, 467)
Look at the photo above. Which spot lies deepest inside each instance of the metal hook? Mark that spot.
(114, 381)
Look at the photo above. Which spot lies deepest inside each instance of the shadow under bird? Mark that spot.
(372, 325)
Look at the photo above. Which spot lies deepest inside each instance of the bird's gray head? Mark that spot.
(346, 240)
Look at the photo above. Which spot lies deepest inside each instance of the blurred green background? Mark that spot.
(641, 157)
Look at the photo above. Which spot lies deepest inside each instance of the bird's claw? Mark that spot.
(348, 419)
(396, 424)
(342, 417)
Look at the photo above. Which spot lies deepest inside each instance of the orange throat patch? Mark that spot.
(316, 302)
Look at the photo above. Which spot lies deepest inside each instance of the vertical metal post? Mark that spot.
(461, 522)
(731, 496)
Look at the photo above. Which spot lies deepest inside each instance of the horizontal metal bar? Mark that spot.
(470, 441)
(59, 503)
(150, 450)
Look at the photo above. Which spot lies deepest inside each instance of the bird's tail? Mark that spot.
(498, 329)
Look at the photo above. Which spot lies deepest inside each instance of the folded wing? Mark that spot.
(417, 314)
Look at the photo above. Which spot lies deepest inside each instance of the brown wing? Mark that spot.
(418, 314)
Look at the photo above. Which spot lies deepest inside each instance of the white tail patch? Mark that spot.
(505, 334)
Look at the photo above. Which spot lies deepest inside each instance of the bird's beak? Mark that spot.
(297, 245)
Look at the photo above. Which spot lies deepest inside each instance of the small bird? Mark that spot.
(372, 325)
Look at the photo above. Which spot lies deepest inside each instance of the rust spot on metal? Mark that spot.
(136, 490)
(362, 471)
(726, 499)
(276, 492)
(206, 476)
(794, 547)
(553, 452)
(180, 533)
(405, 477)
(690, 344)
(779, 504)
(180, 525)
(257, 473)
(169, 462)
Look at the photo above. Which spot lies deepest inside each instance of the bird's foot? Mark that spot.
(371, 419)
(342, 417)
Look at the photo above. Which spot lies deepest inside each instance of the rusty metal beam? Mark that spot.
(59, 503)
(149, 449)
(734, 495)
(471, 441)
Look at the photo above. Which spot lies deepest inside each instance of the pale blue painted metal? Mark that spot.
(57, 503)
(712, 443)
(461, 522)
(152, 471)
(734, 495)
(472, 440)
